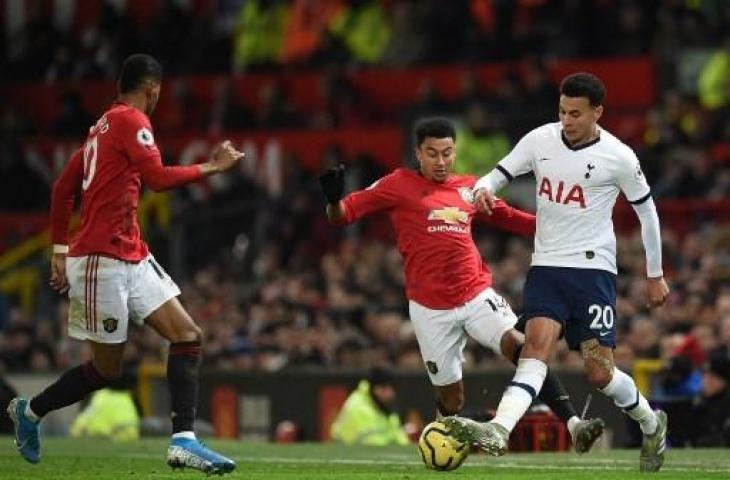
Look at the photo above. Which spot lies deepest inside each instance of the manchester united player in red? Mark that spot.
(109, 273)
(447, 283)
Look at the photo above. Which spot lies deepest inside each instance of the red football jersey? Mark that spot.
(432, 223)
(118, 155)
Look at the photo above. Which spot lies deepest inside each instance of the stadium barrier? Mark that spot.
(250, 406)
(630, 81)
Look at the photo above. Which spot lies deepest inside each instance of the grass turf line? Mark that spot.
(101, 460)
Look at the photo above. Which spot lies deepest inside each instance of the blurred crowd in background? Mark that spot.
(221, 36)
(296, 291)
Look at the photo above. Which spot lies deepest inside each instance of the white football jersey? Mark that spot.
(576, 191)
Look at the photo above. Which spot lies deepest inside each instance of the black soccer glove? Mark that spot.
(332, 183)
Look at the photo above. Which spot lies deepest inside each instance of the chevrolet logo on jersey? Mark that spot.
(450, 215)
(456, 221)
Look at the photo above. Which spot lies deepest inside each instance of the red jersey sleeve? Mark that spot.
(381, 195)
(138, 142)
(509, 218)
(62, 197)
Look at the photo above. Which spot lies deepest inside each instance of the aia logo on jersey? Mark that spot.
(454, 220)
(560, 193)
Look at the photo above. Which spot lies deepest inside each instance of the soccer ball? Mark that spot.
(439, 450)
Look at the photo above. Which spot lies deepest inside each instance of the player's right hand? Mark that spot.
(484, 200)
(58, 281)
(657, 291)
(332, 183)
(225, 156)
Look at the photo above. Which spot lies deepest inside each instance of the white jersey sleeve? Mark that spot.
(633, 183)
(517, 162)
(631, 179)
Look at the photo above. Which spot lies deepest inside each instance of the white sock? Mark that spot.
(572, 423)
(30, 414)
(517, 398)
(190, 435)
(627, 397)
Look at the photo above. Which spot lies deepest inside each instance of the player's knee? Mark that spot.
(192, 334)
(189, 332)
(599, 377)
(537, 347)
(511, 345)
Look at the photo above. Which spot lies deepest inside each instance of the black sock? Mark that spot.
(553, 393)
(183, 363)
(555, 396)
(443, 411)
(73, 386)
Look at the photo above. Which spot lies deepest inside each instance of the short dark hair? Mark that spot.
(584, 84)
(434, 128)
(136, 69)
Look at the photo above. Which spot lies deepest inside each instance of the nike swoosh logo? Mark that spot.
(603, 334)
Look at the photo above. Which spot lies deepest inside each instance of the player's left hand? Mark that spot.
(657, 291)
(332, 183)
(58, 281)
(225, 156)
(484, 200)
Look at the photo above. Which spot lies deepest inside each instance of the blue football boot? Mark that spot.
(27, 433)
(189, 452)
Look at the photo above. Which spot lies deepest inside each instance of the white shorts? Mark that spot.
(106, 293)
(442, 334)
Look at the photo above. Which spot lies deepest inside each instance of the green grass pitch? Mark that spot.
(99, 460)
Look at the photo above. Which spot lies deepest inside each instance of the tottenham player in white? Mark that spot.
(571, 287)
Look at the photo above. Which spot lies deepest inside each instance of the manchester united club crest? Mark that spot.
(110, 324)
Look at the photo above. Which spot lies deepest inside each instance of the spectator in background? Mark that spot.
(364, 28)
(367, 417)
(259, 33)
(481, 143)
(342, 103)
(7, 393)
(305, 30)
(275, 111)
(429, 102)
(538, 90)
(711, 415)
(111, 413)
(680, 380)
(408, 42)
(714, 81)
(228, 112)
(185, 112)
(471, 90)
(724, 338)
(73, 119)
(22, 187)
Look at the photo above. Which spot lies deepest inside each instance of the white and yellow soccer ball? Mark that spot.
(439, 450)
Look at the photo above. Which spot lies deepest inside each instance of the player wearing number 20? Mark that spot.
(571, 287)
(109, 273)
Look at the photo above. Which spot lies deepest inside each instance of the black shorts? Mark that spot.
(583, 301)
